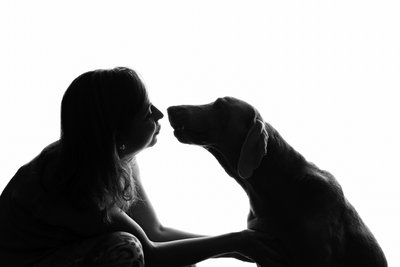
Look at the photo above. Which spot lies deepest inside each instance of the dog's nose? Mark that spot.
(171, 109)
(175, 110)
(173, 114)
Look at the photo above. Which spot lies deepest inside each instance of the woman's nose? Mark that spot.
(158, 115)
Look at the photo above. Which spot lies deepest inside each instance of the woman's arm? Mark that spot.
(192, 250)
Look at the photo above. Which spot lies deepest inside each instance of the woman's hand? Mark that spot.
(261, 248)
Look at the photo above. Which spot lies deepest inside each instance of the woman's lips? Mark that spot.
(158, 130)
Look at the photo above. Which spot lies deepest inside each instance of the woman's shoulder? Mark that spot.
(49, 153)
(29, 193)
(27, 179)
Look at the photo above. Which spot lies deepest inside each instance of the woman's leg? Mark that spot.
(113, 249)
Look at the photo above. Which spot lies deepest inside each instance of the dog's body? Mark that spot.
(302, 207)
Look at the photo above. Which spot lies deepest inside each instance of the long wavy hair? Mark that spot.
(94, 109)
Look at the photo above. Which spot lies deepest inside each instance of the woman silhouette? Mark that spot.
(80, 202)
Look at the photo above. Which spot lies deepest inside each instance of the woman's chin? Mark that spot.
(153, 141)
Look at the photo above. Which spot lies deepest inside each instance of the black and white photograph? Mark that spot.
(199, 133)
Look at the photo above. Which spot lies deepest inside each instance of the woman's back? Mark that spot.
(33, 221)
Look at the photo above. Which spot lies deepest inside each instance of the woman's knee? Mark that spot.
(119, 249)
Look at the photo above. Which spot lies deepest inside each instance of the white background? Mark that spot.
(324, 73)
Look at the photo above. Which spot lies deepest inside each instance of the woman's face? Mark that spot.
(142, 130)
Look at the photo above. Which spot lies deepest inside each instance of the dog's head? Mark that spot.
(231, 129)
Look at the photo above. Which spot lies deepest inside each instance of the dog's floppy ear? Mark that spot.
(253, 149)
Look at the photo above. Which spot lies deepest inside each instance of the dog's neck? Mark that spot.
(281, 157)
(270, 189)
(278, 168)
(227, 158)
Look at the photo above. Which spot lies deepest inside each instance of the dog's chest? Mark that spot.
(264, 225)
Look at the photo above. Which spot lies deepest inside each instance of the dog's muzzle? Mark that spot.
(185, 123)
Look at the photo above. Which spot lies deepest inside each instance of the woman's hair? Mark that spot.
(96, 106)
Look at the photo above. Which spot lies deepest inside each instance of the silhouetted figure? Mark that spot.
(80, 202)
(300, 206)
